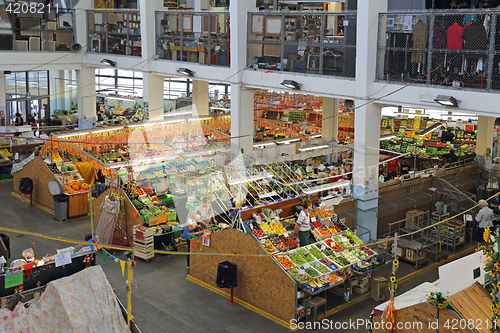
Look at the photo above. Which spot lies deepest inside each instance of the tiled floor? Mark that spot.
(164, 300)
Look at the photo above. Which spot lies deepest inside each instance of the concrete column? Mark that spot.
(484, 141)
(153, 95)
(242, 101)
(147, 9)
(200, 98)
(3, 102)
(85, 78)
(366, 119)
(330, 121)
(81, 7)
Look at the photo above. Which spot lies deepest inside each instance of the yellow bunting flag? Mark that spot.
(122, 265)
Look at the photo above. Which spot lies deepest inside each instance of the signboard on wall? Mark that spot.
(462, 273)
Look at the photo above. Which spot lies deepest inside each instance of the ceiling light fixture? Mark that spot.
(291, 84)
(263, 144)
(108, 62)
(72, 85)
(446, 101)
(313, 147)
(121, 98)
(185, 71)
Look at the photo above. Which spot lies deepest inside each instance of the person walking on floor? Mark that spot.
(303, 224)
(191, 227)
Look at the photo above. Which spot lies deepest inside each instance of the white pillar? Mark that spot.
(81, 8)
(153, 95)
(242, 101)
(153, 84)
(330, 120)
(200, 98)
(3, 102)
(484, 140)
(85, 78)
(366, 119)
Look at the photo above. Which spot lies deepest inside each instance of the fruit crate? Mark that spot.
(414, 219)
(252, 225)
(316, 289)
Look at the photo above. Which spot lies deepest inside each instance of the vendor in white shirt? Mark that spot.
(303, 224)
(484, 219)
(191, 226)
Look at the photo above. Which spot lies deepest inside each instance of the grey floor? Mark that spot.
(164, 300)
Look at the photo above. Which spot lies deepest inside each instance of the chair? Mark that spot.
(313, 304)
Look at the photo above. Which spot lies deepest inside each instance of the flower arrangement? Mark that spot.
(492, 267)
(438, 299)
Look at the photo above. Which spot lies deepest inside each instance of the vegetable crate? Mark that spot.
(315, 289)
(414, 219)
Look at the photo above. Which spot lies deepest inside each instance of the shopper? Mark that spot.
(303, 226)
(206, 213)
(484, 219)
(450, 157)
(64, 118)
(447, 135)
(30, 120)
(496, 164)
(191, 226)
(19, 120)
(393, 167)
(74, 119)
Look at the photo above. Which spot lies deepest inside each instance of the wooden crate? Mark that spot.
(410, 255)
(414, 219)
(437, 217)
(361, 289)
(144, 241)
(379, 288)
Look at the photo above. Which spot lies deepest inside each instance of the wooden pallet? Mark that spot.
(475, 304)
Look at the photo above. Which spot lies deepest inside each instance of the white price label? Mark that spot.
(358, 264)
(345, 240)
(306, 266)
(336, 254)
(63, 258)
(327, 276)
(317, 264)
(263, 241)
(301, 271)
(323, 247)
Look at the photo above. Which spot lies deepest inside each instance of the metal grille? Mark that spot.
(455, 49)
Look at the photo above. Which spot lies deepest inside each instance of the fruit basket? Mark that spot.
(283, 243)
(315, 285)
(330, 264)
(296, 258)
(316, 253)
(268, 246)
(284, 261)
(307, 257)
(255, 230)
(321, 268)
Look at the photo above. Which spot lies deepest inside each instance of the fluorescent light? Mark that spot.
(185, 71)
(173, 114)
(288, 141)
(108, 129)
(291, 84)
(315, 136)
(72, 85)
(73, 134)
(109, 62)
(263, 144)
(388, 136)
(325, 187)
(249, 179)
(446, 101)
(430, 129)
(121, 98)
(157, 123)
(313, 147)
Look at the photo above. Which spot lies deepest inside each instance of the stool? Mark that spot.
(31, 196)
(314, 303)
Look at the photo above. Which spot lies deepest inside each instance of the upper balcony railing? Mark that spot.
(322, 43)
(459, 49)
(114, 32)
(200, 37)
(36, 28)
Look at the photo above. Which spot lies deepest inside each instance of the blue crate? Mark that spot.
(315, 289)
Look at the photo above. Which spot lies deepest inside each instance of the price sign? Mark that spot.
(306, 266)
(301, 271)
(317, 264)
(263, 241)
(63, 258)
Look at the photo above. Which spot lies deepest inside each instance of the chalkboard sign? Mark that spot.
(47, 273)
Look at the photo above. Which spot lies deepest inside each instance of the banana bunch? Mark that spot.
(316, 283)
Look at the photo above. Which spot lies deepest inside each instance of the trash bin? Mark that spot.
(60, 207)
(60, 201)
(227, 275)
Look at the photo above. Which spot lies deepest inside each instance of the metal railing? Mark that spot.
(38, 29)
(114, 32)
(198, 37)
(321, 43)
(457, 49)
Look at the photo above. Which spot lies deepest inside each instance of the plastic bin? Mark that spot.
(60, 207)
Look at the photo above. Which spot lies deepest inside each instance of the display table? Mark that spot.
(78, 203)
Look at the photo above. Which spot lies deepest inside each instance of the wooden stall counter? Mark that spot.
(78, 203)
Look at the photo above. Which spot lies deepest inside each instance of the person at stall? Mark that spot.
(484, 219)
(74, 119)
(450, 157)
(303, 226)
(64, 118)
(19, 120)
(447, 136)
(393, 167)
(206, 213)
(496, 164)
(30, 120)
(100, 116)
(191, 227)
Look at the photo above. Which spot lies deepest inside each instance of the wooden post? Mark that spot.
(129, 292)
